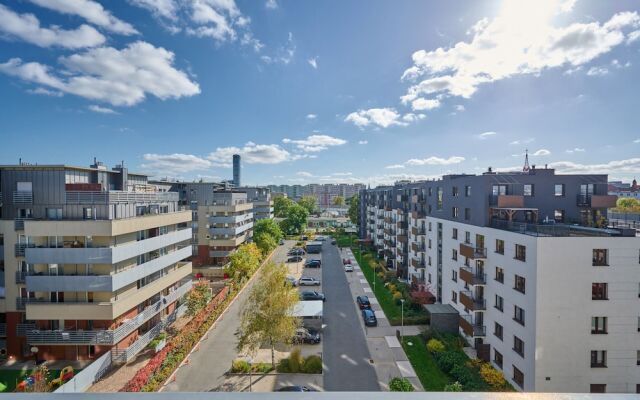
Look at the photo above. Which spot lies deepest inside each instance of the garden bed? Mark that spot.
(431, 377)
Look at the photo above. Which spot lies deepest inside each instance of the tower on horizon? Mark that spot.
(236, 170)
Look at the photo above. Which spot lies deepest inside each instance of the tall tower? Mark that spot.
(236, 170)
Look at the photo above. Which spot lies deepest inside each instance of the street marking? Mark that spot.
(363, 281)
(373, 300)
(359, 274)
(368, 290)
(392, 341)
(379, 313)
(406, 370)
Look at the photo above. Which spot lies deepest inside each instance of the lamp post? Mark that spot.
(34, 351)
(250, 360)
(401, 319)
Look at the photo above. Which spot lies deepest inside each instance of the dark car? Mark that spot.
(296, 389)
(281, 242)
(312, 295)
(296, 251)
(306, 336)
(363, 302)
(369, 317)
(333, 242)
(294, 259)
(313, 264)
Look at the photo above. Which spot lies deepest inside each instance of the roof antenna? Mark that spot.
(526, 167)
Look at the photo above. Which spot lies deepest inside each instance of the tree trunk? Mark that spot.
(273, 355)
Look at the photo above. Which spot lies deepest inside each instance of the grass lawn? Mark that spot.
(431, 377)
(391, 310)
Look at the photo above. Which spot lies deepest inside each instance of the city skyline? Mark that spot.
(418, 101)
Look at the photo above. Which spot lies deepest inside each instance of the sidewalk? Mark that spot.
(388, 357)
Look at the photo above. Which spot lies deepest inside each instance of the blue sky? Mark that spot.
(330, 91)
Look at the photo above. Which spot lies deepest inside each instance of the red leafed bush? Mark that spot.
(142, 376)
(421, 297)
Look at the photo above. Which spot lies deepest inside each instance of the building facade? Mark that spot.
(94, 261)
(325, 194)
(545, 289)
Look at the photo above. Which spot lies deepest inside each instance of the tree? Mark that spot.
(243, 262)
(628, 205)
(338, 201)
(296, 220)
(266, 235)
(280, 206)
(354, 212)
(453, 387)
(198, 298)
(266, 316)
(308, 202)
(400, 385)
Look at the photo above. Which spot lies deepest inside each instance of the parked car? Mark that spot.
(291, 280)
(333, 242)
(295, 259)
(348, 268)
(312, 295)
(307, 281)
(304, 237)
(296, 251)
(363, 302)
(281, 242)
(313, 264)
(296, 389)
(369, 317)
(306, 336)
(346, 261)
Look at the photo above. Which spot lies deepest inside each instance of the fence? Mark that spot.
(83, 380)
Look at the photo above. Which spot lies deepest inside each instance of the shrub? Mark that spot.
(449, 359)
(492, 376)
(283, 366)
(400, 385)
(435, 346)
(397, 296)
(392, 288)
(381, 275)
(453, 387)
(263, 367)
(312, 365)
(462, 374)
(241, 366)
(296, 361)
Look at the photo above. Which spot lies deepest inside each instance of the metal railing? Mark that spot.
(22, 197)
(21, 329)
(3, 329)
(553, 229)
(472, 277)
(20, 276)
(20, 248)
(115, 196)
(478, 303)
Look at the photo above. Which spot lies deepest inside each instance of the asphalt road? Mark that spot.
(345, 352)
(208, 365)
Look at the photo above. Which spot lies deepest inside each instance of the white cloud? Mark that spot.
(45, 92)
(435, 161)
(575, 150)
(542, 152)
(381, 117)
(411, 117)
(420, 104)
(313, 62)
(394, 166)
(27, 27)
(633, 36)
(271, 4)
(629, 166)
(363, 141)
(315, 143)
(486, 135)
(101, 110)
(597, 71)
(636, 141)
(252, 154)
(171, 164)
(459, 108)
(522, 141)
(342, 173)
(120, 77)
(284, 54)
(311, 116)
(520, 40)
(90, 10)
(304, 173)
(159, 8)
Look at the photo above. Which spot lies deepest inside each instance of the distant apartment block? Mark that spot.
(94, 260)
(546, 290)
(325, 194)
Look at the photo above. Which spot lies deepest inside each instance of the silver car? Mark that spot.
(307, 281)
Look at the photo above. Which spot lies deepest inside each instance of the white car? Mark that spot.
(348, 268)
(307, 281)
(291, 280)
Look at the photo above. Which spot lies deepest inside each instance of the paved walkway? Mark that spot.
(389, 359)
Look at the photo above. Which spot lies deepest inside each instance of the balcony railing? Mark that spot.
(596, 201)
(3, 329)
(472, 278)
(18, 224)
(553, 229)
(506, 201)
(418, 247)
(115, 196)
(22, 197)
(106, 337)
(470, 327)
(20, 248)
(20, 276)
(472, 302)
(417, 263)
(473, 252)
(21, 329)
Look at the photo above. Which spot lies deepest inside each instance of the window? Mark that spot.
(528, 190)
(499, 246)
(454, 191)
(439, 200)
(518, 315)
(499, 303)
(500, 274)
(54, 213)
(87, 213)
(558, 216)
(497, 358)
(467, 191)
(521, 252)
(600, 257)
(467, 237)
(454, 254)
(429, 243)
(599, 291)
(598, 325)
(598, 358)
(429, 260)
(637, 357)
(498, 331)
(429, 274)
(597, 388)
(519, 283)
(558, 190)
(518, 346)
(454, 212)
(467, 214)
(429, 226)
(454, 296)
(430, 191)
(454, 275)
(454, 234)
(518, 377)
(499, 190)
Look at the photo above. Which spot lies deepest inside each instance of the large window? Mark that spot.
(54, 213)
(518, 315)
(597, 388)
(600, 257)
(528, 190)
(467, 191)
(499, 246)
(518, 377)
(467, 214)
(519, 283)
(598, 325)
(454, 296)
(558, 190)
(455, 212)
(499, 303)
(599, 291)
(598, 358)
(454, 234)
(440, 196)
(500, 274)
(497, 358)
(454, 191)
(518, 346)
(558, 216)
(454, 254)
(498, 330)
(521, 252)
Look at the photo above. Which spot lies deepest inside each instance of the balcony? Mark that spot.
(20, 249)
(106, 337)
(231, 231)
(116, 196)
(3, 329)
(18, 224)
(402, 238)
(230, 219)
(417, 263)
(21, 329)
(470, 328)
(473, 252)
(20, 276)
(22, 197)
(506, 201)
(596, 201)
(467, 275)
(418, 230)
(471, 302)
(417, 247)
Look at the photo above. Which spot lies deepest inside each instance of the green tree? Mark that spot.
(628, 205)
(198, 298)
(354, 212)
(280, 206)
(266, 235)
(308, 202)
(338, 201)
(296, 220)
(266, 316)
(243, 262)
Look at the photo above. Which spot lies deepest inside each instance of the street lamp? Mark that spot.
(401, 319)
(34, 351)
(250, 360)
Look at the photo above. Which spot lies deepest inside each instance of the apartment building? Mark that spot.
(94, 261)
(545, 290)
(325, 194)
(260, 197)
